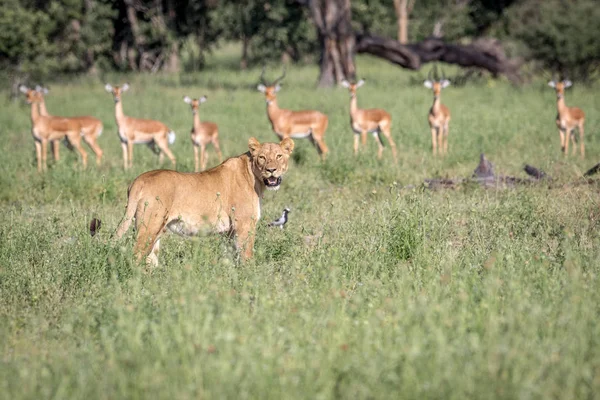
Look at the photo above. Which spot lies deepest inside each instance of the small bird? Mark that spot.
(95, 224)
(283, 220)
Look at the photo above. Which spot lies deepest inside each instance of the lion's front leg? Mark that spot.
(244, 239)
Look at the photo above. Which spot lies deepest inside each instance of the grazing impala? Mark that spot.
(439, 115)
(46, 129)
(363, 121)
(567, 118)
(203, 133)
(91, 128)
(139, 131)
(294, 124)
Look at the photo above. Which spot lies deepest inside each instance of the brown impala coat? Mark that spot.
(568, 118)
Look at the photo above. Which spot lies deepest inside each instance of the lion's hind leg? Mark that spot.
(150, 226)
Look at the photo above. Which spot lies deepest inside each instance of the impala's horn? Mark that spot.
(429, 75)
(276, 81)
(262, 77)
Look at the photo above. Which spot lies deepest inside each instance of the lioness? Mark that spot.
(225, 198)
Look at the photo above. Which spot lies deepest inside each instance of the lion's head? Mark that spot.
(270, 160)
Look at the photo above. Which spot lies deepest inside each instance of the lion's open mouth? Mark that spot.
(272, 181)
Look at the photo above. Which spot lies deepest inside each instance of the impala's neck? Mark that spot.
(43, 110)
(35, 113)
(353, 105)
(436, 104)
(196, 119)
(119, 111)
(560, 103)
(273, 109)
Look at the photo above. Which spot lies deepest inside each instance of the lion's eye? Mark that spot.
(262, 159)
(279, 156)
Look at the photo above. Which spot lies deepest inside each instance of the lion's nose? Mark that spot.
(271, 170)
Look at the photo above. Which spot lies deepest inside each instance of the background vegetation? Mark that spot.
(40, 39)
(373, 290)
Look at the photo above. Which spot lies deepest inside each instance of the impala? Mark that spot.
(45, 129)
(91, 128)
(567, 118)
(139, 131)
(439, 115)
(374, 120)
(293, 124)
(202, 133)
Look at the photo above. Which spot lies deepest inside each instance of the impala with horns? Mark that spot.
(91, 128)
(567, 118)
(47, 129)
(439, 114)
(139, 131)
(374, 120)
(293, 124)
(202, 133)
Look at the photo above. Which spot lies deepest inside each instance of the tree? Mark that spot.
(403, 9)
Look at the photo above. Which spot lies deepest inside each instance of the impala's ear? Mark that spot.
(23, 89)
(567, 83)
(287, 145)
(203, 99)
(254, 146)
(360, 83)
(38, 88)
(445, 83)
(45, 90)
(108, 88)
(345, 83)
(261, 88)
(125, 87)
(428, 84)
(277, 88)
(187, 99)
(552, 84)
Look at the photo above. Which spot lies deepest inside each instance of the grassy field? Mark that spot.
(372, 291)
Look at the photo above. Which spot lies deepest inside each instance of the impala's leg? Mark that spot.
(363, 138)
(566, 134)
(38, 153)
(356, 137)
(379, 144)
(434, 131)
(573, 144)
(161, 158)
(202, 157)
(164, 147)
(75, 139)
(217, 146)
(445, 134)
(130, 153)
(582, 145)
(125, 161)
(388, 135)
(196, 159)
(56, 149)
(44, 150)
(91, 141)
(321, 146)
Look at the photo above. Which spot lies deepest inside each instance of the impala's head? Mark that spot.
(560, 86)
(270, 160)
(194, 103)
(352, 86)
(270, 89)
(436, 84)
(31, 95)
(116, 91)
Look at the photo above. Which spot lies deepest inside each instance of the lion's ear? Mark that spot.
(287, 145)
(254, 145)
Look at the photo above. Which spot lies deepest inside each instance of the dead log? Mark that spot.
(592, 171)
(483, 53)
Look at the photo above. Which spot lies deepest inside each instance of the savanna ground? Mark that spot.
(372, 291)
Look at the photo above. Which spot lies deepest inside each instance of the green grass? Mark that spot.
(372, 291)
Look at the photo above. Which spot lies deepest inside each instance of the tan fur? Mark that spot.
(373, 120)
(224, 199)
(296, 124)
(136, 130)
(46, 129)
(568, 119)
(439, 121)
(202, 134)
(91, 129)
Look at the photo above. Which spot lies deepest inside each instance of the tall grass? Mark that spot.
(373, 290)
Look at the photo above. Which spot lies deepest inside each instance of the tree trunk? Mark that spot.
(337, 41)
(245, 45)
(401, 7)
